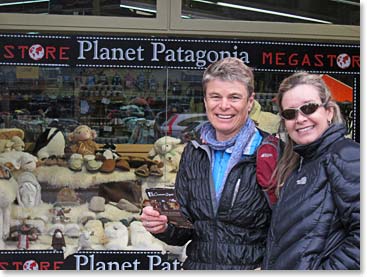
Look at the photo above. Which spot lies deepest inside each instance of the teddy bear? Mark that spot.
(83, 148)
(167, 150)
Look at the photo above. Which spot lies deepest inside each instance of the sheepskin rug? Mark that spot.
(57, 176)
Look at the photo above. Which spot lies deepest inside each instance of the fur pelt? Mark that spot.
(57, 176)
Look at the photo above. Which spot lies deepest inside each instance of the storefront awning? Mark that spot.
(339, 91)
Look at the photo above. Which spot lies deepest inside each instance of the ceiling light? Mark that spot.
(138, 8)
(147, 10)
(240, 7)
(271, 12)
(347, 2)
(23, 2)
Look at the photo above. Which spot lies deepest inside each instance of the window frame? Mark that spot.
(169, 22)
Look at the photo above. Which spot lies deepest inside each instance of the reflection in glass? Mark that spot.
(123, 8)
(135, 106)
(321, 12)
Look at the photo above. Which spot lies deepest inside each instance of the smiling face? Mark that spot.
(227, 106)
(305, 129)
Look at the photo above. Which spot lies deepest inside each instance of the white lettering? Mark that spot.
(84, 262)
(82, 49)
(105, 53)
(170, 55)
(155, 262)
(158, 48)
(244, 57)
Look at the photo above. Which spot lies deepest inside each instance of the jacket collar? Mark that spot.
(319, 146)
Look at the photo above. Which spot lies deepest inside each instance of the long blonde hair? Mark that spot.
(290, 159)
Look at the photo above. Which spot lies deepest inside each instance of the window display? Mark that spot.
(90, 135)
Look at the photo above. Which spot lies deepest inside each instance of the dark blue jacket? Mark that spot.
(231, 235)
(315, 223)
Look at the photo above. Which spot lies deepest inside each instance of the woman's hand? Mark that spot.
(153, 221)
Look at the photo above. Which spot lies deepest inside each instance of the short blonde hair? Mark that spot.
(229, 69)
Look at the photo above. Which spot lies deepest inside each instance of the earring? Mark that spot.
(329, 122)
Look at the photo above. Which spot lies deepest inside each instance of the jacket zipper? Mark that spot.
(300, 164)
(236, 188)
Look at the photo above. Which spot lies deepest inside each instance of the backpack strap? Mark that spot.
(266, 160)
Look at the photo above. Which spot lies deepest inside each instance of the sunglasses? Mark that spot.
(305, 109)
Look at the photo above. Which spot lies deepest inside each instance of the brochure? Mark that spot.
(164, 200)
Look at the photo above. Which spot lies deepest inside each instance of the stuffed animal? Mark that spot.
(116, 236)
(17, 160)
(167, 150)
(8, 194)
(5, 145)
(85, 242)
(58, 241)
(50, 143)
(8, 133)
(141, 239)
(83, 147)
(15, 143)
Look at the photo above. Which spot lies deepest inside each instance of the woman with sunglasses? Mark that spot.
(315, 223)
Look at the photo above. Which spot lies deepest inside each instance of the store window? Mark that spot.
(123, 106)
(319, 12)
(134, 90)
(129, 91)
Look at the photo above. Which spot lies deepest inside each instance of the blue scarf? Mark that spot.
(238, 142)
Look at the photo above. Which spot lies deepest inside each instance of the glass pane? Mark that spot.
(300, 11)
(123, 105)
(143, 8)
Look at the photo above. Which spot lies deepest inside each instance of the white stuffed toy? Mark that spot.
(85, 242)
(141, 239)
(116, 236)
(17, 160)
(8, 193)
(167, 150)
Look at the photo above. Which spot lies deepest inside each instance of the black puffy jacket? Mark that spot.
(232, 236)
(315, 224)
